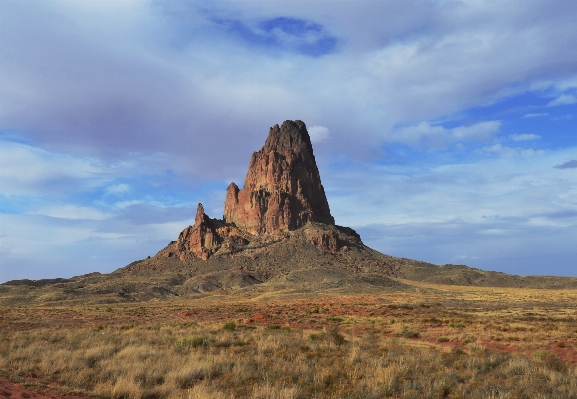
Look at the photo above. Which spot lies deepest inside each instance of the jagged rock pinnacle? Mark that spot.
(282, 189)
(282, 192)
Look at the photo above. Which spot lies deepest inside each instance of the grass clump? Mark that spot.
(408, 332)
(127, 327)
(192, 342)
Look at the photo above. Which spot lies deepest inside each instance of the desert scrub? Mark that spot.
(192, 361)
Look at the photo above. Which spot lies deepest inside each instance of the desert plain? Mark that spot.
(420, 341)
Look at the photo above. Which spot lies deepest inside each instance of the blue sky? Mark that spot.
(445, 131)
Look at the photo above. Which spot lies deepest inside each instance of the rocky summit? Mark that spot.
(282, 189)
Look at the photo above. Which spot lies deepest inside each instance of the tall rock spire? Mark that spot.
(282, 189)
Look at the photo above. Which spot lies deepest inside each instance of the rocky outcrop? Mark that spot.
(200, 239)
(207, 237)
(282, 189)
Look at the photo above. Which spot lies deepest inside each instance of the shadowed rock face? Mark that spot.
(282, 189)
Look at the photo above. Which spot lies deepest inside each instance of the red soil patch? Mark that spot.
(9, 390)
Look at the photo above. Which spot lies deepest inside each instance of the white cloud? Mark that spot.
(536, 115)
(72, 212)
(437, 137)
(118, 189)
(505, 151)
(41, 247)
(482, 132)
(511, 187)
(164, 73)
(524, 137)
(563, 99)
(562, 118)
(28, 170)
(32, 171)
(318, 133)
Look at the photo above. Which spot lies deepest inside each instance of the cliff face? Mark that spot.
(282, 189)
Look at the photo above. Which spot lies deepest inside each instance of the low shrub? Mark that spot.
(127, 327)
(407, 332)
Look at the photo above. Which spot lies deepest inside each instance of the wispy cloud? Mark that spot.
(28, 170)
(72, 212)
(118, 189)
(524, 137)
(536, 115)
(425, 135)
(506, 151)
(563, 99)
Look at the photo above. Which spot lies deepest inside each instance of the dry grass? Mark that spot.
(439, 343)
(190, 361)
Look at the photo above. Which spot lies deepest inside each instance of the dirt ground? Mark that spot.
(11, 390)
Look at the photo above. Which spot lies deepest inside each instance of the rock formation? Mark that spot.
(208, 236)
(282, 189)
(282, 193)
(200, 239)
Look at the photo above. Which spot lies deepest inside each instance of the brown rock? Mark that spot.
(282, 189)
(282, 193)
(207, 237)
(326, 240)
(200, 239)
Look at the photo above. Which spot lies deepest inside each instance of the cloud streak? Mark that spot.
(438, 137)
(568, 165)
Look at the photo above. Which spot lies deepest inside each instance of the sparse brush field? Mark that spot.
(437, 342)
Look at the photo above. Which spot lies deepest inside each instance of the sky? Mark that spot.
(444, 130)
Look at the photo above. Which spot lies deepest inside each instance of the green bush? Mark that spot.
(230, 326)
(194, 341)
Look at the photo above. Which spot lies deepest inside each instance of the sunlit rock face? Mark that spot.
(282, 189)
